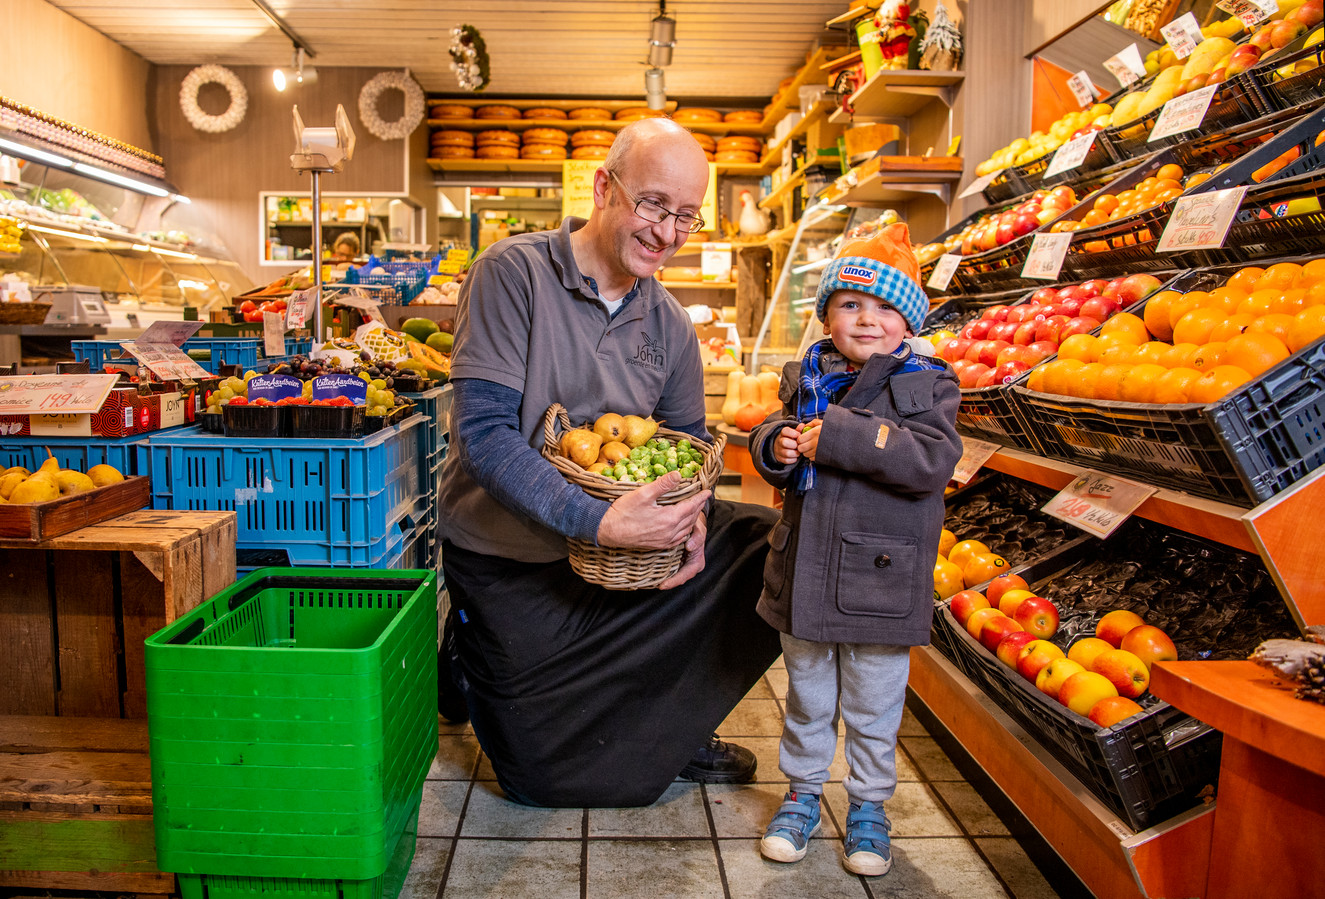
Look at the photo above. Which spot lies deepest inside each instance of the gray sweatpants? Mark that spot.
(870, 682)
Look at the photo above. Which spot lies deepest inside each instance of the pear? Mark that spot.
(14, 468)
(51, 465)
(71, 482)
(639, 430)
(614, 451)
(580, 445)
(610, 427)
(103, 474)
(39, 488)
(10, 480)
(597, 467)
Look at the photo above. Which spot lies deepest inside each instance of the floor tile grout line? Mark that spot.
(970, 838)
(459, 825)
(713, 837)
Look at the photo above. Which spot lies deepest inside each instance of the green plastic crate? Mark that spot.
(292, 719)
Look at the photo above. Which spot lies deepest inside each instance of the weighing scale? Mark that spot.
(76, 304)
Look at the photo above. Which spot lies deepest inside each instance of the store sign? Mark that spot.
(167, 361)
(975, 453)
(1183, 113)
(327, 387)
(1098, 503)
(1182, 34)
(1046, 255)
(1251, 12)
(1127, 66)
(274, 387)
(1071, 154)
(1200, 221)
(979, 184)
(944, 269)
(34, 394)
(173, 333)
(1081, 88)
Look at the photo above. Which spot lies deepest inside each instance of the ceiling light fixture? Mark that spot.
(297, 73)
(141, 187)
(662, 37)
(32, 154)
(655, 90)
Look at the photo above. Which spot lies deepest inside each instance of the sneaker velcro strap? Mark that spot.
(868, 816)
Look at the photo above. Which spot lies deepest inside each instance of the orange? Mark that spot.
(1125, 324)
(983, 566)
(1198, 178)
(1081, 382)
(1156, 313)
(1079, 346)
(1195, 326)
(1169, 172)
(1174, 385)
(1094, 217)
(1060, 377)
(1112, 351)
(947, 579)
(1217, 383)
(1225, 298)
(1308, 326)
(1281, 276)
(1180, 355)
(1315, 294)
(1208, 356)
(1260, 301)
(1255, 352)
(1106, 203)
(1232, 326)
(1035, 380)
(962, 551)
(1108, 386)
(1184, 304)
(1151, 353)
(1313, 272)
(1245, 279)
(1276, 323)
(1138, 385)
(947, 540)
(1291, 301)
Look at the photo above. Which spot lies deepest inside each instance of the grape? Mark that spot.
(225, 393)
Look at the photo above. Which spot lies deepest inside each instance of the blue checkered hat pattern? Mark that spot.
(876, 279)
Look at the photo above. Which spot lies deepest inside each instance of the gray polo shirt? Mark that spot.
(528, 320)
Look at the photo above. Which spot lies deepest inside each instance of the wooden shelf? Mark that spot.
(895, 187)
(611, 105)
(789, 97)
(753, 129)
(818, 114)
(894, 93)
(750, 169)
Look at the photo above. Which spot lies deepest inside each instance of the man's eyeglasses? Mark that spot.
(650, 211)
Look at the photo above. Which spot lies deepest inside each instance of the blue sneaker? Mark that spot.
(868, 848)
(788, 834)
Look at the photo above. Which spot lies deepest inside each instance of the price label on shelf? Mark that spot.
(1251, 12)
(1098, 503)
(34, 394)
(1182, 34)
(1183, 113)
(1126, 65)
(1200, 221)
(297, 309)
(167, 361)
(1046, 255)
(944, 269)
(979, 184)
(1081, 88)
(975, 453)
(1071, 154)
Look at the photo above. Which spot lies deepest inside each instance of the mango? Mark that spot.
(1203, 58)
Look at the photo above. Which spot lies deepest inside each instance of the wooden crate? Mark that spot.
(33, 522)
(76, 806)
(75, 609)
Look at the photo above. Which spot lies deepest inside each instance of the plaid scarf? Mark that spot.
(819, 389)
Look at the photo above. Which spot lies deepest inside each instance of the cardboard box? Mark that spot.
(719, 345)
(125, 412)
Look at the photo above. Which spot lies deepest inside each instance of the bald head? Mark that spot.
(643, 144)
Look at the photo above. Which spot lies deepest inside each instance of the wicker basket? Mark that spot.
(613, 567)
(23, 313)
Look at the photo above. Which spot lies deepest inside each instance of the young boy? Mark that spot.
(864, 445)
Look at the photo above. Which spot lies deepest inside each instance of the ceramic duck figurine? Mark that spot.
(752, 222)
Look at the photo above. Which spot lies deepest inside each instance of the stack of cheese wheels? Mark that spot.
(707, 144)
(743, 117)
(634, 113)
(544, 143)
(496, 112)
(450, 144)
(498, 145)
(590, 143)
(696, 115)
(591, 114)
(544, 112)
(734, 148)
(454, 111)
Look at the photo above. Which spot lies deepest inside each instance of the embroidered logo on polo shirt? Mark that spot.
(649, 353)
(854, 274)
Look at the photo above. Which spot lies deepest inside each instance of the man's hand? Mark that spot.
(693, 562)
(636, 521)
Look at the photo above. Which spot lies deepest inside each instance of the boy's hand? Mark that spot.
(784, 446)
(807, 439)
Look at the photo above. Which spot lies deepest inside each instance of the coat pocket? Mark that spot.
(876, 575)
(775, 567)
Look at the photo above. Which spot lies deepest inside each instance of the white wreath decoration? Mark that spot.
(213, 74)
(408, 121)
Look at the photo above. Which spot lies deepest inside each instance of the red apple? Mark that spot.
(1003, 583)
(1112, 709)
(1011, 646)
(998, 313)
(1034, 656)
(976, 622)
(1070, 306)
(978, 329)
(1038, 616)
(986, 380)
(1124, 670)
(1018, 314)
(1050, 328)
(957, 348)
(1052, 676)
(1063, 194)
(995, 629)
(1083, 690)
(1261, 40)
(1309, 14)
(1081, 324)
(1043, 349)
(971, 376)
(1005, 234)
(1025, 333)
(1137, 287)
(1004, 331)
(1011, 599)
(1071, 292)
(964, 602)
(989, 351)
(1045, 295)
(1086, 650)
(1094, 287)
(1007, 372)
(1098, 308)
(1025, 223)
(1115, 625)
(959, 366)
(1149, 644)
(1286, 32)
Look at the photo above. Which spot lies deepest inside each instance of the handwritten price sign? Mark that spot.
(1045, 258)
(975, 453)
(1251, 12)
(32, 394)
(1071, 154)
(1098, 503)
(979, 184)
(1183, 113)
(1200, 221)
(944, 269)
(1081, 88)
(1182, 34)
(1127, 66)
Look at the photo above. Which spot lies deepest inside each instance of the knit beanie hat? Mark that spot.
(881, 265)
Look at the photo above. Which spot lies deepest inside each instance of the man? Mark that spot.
(581, 696)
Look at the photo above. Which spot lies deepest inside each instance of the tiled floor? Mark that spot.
(702, 841)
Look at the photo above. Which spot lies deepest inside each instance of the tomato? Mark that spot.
(247, 306)
(278, 305)
(253, 315)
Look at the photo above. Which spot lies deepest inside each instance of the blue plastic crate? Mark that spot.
(325, 502)
(407, 278)
(242, 351)
(79, 453)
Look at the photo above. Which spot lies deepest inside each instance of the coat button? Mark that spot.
(882, 561)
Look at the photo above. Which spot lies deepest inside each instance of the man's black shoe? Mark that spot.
(718, 762)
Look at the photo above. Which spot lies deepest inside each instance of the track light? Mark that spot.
(655, 91)
(662, 37)
(297, 73)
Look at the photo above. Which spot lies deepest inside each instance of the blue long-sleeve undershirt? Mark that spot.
(486, 417)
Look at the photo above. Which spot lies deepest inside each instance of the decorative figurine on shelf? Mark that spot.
(919, 20)
(846, 82)
(752, 222)
(941, 50)
(895, 33)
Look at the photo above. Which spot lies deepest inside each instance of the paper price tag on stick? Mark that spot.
(975, 453)
(1046, 255)
(298, 307)
(1182, 34)
(1081, 88)
(1126, 65)
(1183, 113)
(1071, 154)
(1250, 12)
(1098, 503)
(979, 184)
(1200, 221)
(944, 269)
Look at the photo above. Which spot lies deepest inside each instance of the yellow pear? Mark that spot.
(597, 467)
(639, 430)
(71, 482)
(37, 489)
(614, 451)
(13, 468)
(103, 474)
(609, 426)
(9, 481)
(580, 445)
(51, 465)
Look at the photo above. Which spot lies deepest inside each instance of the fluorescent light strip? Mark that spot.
(180, 198)
(34, 155)
(91, 238)
(140, 186)
(145, 248)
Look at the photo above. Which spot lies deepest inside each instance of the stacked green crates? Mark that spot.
(292, 719)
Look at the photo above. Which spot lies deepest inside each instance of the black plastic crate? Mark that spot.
(990, 413)
(1007, 185)
(1005, 514)
(1133, 139)
(1266, 227)
(1245, 152)
(327, 422)
(1098, 158)
(1286, 91)
(1236, 102)
(255, 421)
(1242, 449)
